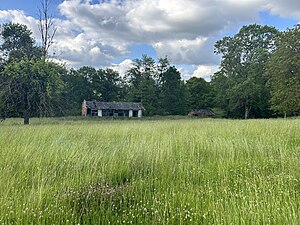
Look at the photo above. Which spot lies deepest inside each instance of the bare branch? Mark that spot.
(46, 27)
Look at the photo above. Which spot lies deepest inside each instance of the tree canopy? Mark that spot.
(284, 73)
(29, 85)
(258, 77)
(244, 58)
(17, 42)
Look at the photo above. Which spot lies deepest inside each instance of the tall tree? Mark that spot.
(284, 72)
(77, 88)
(200, 93)
(143, 87)
(29, 85)
(92, 84)
(174, 93)
(244, 58)
(46, 26)
(30, 88)
(219, 84)
(17, 42)
(107, 85)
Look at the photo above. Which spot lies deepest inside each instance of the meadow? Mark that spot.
(183, 171)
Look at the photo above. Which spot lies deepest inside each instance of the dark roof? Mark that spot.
(114, 105)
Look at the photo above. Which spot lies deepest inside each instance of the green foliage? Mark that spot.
(17, 42)
(92, 84)
(284, 74)
(16, 37)
(142, 80)
(158, 86)
(239, 89)
(77, 88)
(174, 93)
(31, 88)
(200, 93)
(107, 85)
(244, 59)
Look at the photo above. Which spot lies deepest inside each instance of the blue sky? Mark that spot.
(114, 32)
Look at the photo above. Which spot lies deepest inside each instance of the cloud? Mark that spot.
(70, 44)
(284, 8)
(150, 21)
(203, 71)
(188, 19)
(123, 67)
(184, 30)
(18, 16)
(195, 52)
(82, 50)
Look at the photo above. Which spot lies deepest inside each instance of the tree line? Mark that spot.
(259, 77)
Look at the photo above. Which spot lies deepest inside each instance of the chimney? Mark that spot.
(84, 110)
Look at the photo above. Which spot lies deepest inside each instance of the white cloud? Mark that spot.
(72, 46)
(284, 8)
(123, 67)
(184, 30)
(185, 73)
(197, 51)
(203, 71)
(188, 18)
(18, 16)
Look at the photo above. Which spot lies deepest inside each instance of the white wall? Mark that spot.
(100, 112)
(140, 113)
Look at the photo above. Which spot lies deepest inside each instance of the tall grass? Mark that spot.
(150, 172)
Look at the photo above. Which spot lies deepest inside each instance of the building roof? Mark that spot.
(95, 105)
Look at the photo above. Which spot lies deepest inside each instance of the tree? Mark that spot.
(244, 59)
(30, 88)
(219, 84)
(174, 94)
(92, 84)
(143, 87)
(200, 93)
(46, 26)
(284, 74)
(78, 86)
(107, 85)
(17, 42)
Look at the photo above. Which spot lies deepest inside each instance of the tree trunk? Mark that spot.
(26, 120)
(247, 110)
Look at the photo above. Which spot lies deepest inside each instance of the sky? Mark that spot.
(112, 33)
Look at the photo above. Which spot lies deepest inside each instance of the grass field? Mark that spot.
(199, 171)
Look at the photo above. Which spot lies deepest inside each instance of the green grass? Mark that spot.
(187, 171)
